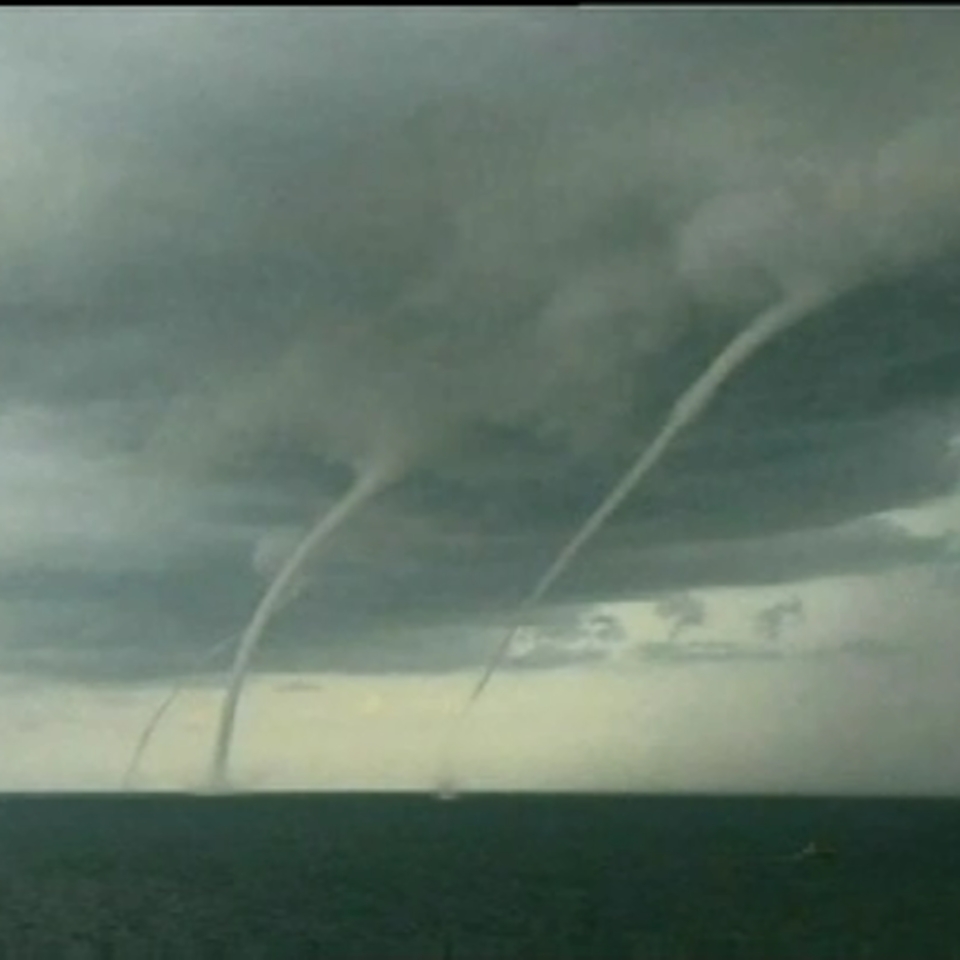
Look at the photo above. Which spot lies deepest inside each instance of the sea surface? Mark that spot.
(485, 876)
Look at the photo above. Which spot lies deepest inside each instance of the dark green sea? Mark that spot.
(540, 876)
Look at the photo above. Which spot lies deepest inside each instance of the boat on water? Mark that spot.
(814, 851)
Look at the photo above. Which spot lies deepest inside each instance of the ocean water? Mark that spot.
(487, 876)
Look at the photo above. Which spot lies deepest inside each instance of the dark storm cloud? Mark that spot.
(444, 587)
(247, 253)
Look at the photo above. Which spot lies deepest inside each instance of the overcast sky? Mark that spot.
(249, 255)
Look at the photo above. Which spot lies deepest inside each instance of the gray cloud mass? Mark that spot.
(249, 254)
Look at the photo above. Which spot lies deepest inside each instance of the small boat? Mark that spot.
(814, 851)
